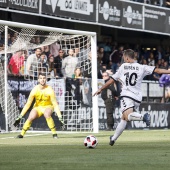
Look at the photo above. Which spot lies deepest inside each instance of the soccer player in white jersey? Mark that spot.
(130, 74)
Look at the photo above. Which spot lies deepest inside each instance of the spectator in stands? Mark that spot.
(16, 63)
(116, 57)
(159, 63)
(77, 52)
(167, 3)
(9, 40)
(47, 50)
(106, 60)
(162, 63)
(106, 45)
(144, 62)
(136, 57)
(158, 53)
(109, 95)
(12, 39)
(69, 64)
(145, 54)
(86, 66)
(100, 54)
(151, 60)
(2, 46)
(43, 62)
(54, 49)
(167, 55)
(73, 89)
(51, 68)
(84, 51)
(165, 65)
(2, 40)
(32, 63)
(15, 35)
(37, 40)
(156, 76)
(77, 73)
(58, 63)
(32, 40)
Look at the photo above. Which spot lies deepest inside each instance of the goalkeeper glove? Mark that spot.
(61, 121)
(17, 120)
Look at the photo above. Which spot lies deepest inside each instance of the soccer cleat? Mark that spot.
(147, 119)
(111, 143)
(55, 136)
(19, 136)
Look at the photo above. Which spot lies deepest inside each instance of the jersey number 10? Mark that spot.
(131, 79)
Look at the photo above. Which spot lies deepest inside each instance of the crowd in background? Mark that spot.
(75, 62)
(110, 56)
(161, 3)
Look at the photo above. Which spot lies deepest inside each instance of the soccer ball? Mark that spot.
(90, 141)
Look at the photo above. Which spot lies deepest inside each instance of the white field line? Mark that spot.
(24, 136)
(49, 132)
(66, 132)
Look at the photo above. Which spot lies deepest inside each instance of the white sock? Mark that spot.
(120, 128)
(135, 116)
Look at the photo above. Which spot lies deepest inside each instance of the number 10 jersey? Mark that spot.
(131, 75)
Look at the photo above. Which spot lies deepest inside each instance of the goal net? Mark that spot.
(67, 57)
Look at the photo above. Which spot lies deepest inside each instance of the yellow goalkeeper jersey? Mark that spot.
(43, 97)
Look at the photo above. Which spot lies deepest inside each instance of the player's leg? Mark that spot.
(50, 122)
(122, 125)
(33, 115)
(128, 114)
(133, 115)
(119, 129)
(125, 107)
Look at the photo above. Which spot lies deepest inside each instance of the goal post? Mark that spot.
(66, 39)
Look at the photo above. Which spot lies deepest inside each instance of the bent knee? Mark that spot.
(125, 116)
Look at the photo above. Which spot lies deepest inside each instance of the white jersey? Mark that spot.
(131, 76)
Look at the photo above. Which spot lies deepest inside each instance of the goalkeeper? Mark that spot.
(45, 104)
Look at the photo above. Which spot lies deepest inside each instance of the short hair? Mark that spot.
(43, 53)
(38, 49)
(105, 72)
(130, 53)
(42, 74)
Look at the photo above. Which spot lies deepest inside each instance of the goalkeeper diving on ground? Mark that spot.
(45, 104)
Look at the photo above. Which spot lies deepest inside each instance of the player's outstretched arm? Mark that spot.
(108, 83)
(161, 71)
(25, 109)
(56, 108)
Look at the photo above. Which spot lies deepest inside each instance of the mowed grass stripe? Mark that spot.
(136, 150)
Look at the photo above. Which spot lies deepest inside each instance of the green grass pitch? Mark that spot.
(134, 150)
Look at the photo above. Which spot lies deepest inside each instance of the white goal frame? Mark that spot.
(65, 31)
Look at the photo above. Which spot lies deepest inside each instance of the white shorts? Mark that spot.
(126, 103)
